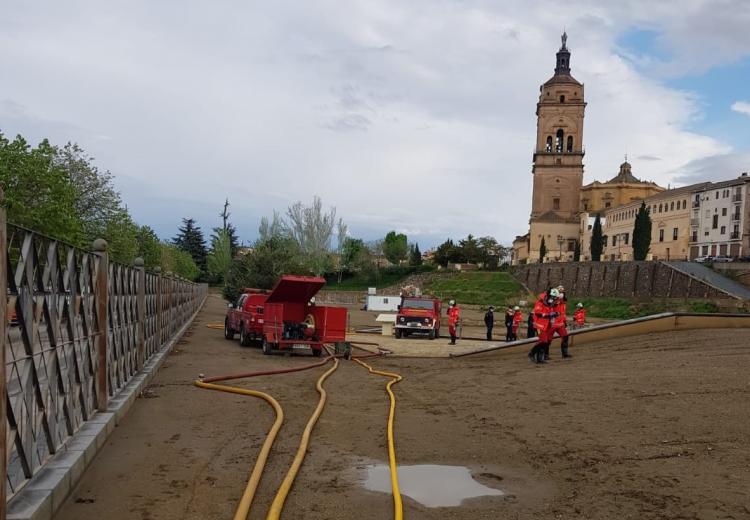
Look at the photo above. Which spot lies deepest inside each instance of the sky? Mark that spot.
(416, 116)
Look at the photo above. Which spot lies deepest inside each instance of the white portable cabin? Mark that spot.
(382, 302)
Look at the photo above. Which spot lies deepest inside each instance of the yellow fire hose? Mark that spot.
(215, 326)
(398, 508)
(278, 502)
(243, 509)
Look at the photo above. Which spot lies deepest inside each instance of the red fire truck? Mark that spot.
(246, 317)
(420, 315)
(291, 320)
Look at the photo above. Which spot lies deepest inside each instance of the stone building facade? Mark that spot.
(720, 219)
(625, 187)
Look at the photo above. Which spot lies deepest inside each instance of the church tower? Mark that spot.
(558, 163)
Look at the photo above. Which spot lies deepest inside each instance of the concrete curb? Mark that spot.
(46, 492)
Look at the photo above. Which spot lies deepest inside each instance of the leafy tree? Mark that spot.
(469, 250)
(190, 239)
(341, 239)
(220, 257)
(38, 194)
(312, 229)
(597, 240)
(577, 252)
(263, 266)
(642, 233)
(352, 249)
(149, 246)
(542, 251)
(268, 230)
(178, 261)
(415, 256)
(395, 247)
(490, 252)
(446, 253)
(121, 234)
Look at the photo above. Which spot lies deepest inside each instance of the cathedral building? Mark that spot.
(559, 199)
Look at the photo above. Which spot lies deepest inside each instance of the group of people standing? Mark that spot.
(547, 319)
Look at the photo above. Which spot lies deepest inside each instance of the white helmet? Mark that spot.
(452, 302)
(554, 293)
(580, 305)
(516, 308)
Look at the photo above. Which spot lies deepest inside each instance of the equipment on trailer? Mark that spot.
(291, 320)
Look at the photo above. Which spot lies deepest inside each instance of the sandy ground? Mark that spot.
(654, 427)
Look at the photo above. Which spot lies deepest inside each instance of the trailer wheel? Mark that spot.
(228, 331)
(266, 347)
(398, 333)
(244, 338)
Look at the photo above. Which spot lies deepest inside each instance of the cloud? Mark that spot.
(741, 107)
(715, 168)
(403, 115)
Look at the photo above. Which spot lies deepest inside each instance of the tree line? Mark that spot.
(58, 191)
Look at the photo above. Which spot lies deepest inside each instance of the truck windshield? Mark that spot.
(417, 304)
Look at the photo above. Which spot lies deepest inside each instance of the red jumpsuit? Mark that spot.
(541, 320)
(517, 318)
(579, 317)
(454, 314)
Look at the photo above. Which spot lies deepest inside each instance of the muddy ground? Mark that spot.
(654, 427)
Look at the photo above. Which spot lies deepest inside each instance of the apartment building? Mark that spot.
(670, 213)
(720, 219)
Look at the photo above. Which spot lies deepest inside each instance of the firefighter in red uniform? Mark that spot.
(545, 312)
(579, 316)
(517, 319)
(559, 325)
(454, 315)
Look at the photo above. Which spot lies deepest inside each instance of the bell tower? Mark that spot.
(558, 161)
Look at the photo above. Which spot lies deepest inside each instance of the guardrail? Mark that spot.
(78, 328)
(664, 322)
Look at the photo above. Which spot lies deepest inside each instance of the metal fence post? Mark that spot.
(158, 308)
(3, 337)
(102, 321)
(140, 270)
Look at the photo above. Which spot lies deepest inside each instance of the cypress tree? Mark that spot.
(415, 257)
(597, 240)
(542, 251)
(577, 252)
(642, 233)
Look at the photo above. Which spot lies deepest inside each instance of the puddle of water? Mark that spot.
(429, 484)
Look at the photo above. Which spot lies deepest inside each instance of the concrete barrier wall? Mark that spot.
(622, 279)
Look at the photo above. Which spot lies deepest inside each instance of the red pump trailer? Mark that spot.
(292, 321)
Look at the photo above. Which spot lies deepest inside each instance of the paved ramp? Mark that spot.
(712, 278)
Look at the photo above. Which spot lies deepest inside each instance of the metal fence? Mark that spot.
(77, 329)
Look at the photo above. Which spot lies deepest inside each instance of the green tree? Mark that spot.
(577, 252)
(219, 258)
(312, 229)
(263, 266)
(542, 251)
(121, 234)
(597, 240)
(445, 253)
(38, 194)
(228, 228)
(395, 247)
(190, 239)
(178, 261)
(149, 246)
(415, 256)
(490, 252)
(642, 233)
(469, 250)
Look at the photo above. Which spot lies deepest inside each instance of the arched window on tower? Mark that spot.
(570, 143)
(562, 99)
(549, 143)
(559, 141)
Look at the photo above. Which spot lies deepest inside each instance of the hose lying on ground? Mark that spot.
(243, 508)
(398, 509)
